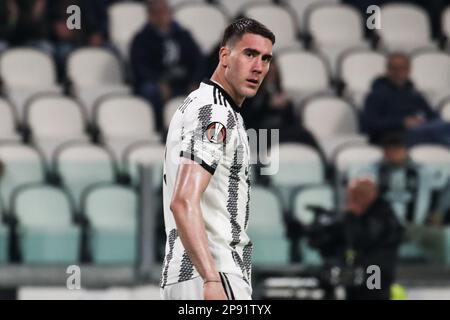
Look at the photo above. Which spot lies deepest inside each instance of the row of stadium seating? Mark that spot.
(46, 231)
(82, 168)
(331, 25)
(94, 73)
(274, 246)
(119, 121)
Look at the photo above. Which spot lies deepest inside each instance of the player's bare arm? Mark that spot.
(191, 182)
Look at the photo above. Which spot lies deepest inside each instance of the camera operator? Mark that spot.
(373, 235)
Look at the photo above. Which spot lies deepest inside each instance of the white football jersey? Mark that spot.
(208, 129)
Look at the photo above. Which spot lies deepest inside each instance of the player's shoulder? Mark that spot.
(206, 98)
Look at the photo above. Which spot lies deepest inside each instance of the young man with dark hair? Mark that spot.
(206, 175)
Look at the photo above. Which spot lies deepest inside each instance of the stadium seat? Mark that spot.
(302, 73)
(8, 122)
(430, 73)
(357, 69)
(123, 120)
(334, 29)
(405, 27)
(432, 155)
(144, 153)
(266, 229)
(444, 109)
(125, 20)
(93, 73)
(22, 165)
(301, 9)
(54, 120)
(319, 196)
(80, 165)
(170, 108)
(25, 72)
(235, 7)
(349, 159)
(279, 20)
(333, 121)
(206, 22)
(298, 165)
(112, 214)
(45, 229)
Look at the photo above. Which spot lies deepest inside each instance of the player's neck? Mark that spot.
(219, 78)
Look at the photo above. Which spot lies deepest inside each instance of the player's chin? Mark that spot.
(250, 92)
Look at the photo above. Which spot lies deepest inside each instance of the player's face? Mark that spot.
(247, 64)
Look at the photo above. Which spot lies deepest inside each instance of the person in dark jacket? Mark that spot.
(394, 105)
(373, 235)
(165, 59)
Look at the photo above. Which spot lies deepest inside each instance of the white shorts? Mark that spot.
(235, 288)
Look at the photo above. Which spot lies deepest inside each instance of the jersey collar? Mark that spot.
(224, 93)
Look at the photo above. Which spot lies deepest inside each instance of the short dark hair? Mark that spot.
(393, 139)
(238, 28)
(397, 54)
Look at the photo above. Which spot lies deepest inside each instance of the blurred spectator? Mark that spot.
(413, 190)
(31, 26)
(165, 59)
(93, 30)
(394, 105)
(373, 236)
(271, 109)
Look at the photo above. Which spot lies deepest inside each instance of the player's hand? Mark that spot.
(413, 121)
(214, 291)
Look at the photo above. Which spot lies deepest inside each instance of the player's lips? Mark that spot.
(253, 82)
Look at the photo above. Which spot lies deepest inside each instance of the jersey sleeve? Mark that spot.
(205, 133)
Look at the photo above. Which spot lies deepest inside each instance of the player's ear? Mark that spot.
(224, 53)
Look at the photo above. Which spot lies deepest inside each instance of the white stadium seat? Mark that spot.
(302, 73)
(94, 72)
(47, 234)
(112, 211)
(80, 165)
(333, 121)
(431, 75)
(279, 20)
(205, 21)
(54, 120)
(123, 120)
(335, 29)
(358, 69)
(125, 20)
(353, 157)
(22, 165)
(404, 27)
(25, 72)
(147, 154)
(302, 7)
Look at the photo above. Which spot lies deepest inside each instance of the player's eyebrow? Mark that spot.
(254, 52)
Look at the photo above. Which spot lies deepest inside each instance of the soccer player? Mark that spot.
(206, 185)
